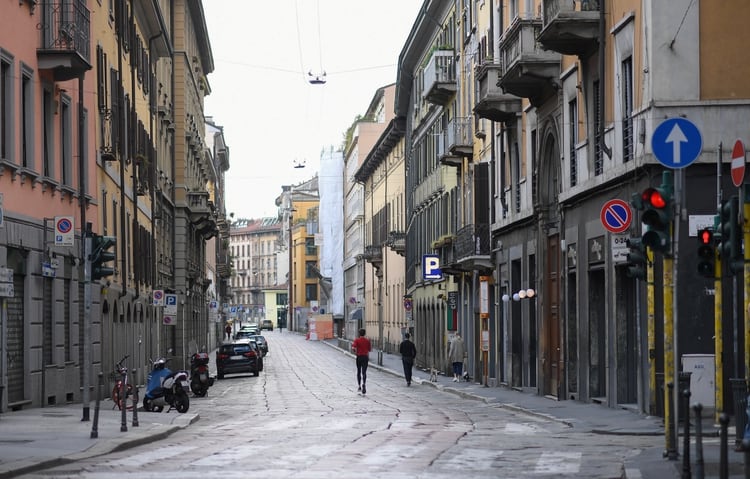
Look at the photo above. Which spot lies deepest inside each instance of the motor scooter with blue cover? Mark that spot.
(166, 388)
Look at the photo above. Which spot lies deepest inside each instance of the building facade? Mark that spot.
(522, 120)
(95, 111)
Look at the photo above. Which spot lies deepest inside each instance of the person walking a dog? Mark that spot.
(456, 354)
(361, 348)
(408, 353)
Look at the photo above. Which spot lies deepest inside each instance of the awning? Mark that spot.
(356, 315)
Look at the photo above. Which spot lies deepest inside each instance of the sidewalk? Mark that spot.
(593, 418)
(39, 438)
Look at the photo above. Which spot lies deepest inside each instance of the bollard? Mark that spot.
(95, 424)
(746, 450)
(672, 445)
(683, 383)
(699, 469)
(739, 394)
(723, 457)
(123, 401)
(135, 398)
(686, 436)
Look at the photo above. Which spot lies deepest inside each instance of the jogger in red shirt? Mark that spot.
(361, 348)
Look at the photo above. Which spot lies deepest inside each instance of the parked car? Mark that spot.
(266, 324)
(262, 343)
(241, 356)
(250, 328)
(245, 334)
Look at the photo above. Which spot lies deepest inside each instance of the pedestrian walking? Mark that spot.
(408, 354)
(228, 332)
(456, 354)
(361, 348)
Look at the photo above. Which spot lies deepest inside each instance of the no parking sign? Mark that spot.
(64, 233)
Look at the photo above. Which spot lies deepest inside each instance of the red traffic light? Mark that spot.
(706, 236)
(653, 197)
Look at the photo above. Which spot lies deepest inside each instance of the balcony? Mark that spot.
(201, 214)
(440, 77)
(459, 142)
(397, 242)
(530, 71)
(472, 247)
(492, 103)
(445, 249)
(65, 49)
(373, 255)
(570, 31)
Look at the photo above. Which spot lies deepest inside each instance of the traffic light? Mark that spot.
(658, 205)
(731, 234)
(706, 253)
(100, 256)
(637, 258)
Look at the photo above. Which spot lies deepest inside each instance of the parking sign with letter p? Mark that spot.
(431, 267)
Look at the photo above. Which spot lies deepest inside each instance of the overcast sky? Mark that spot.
(273, 118)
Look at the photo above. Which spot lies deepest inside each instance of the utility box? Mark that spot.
(702, 385)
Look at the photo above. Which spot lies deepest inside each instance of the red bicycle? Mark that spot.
(121, 371)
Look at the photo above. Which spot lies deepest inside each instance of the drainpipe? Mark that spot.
(132, 137)
(123, 152)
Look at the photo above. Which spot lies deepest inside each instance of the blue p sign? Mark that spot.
(431, 267)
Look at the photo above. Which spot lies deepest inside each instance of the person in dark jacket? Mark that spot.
(408, 353)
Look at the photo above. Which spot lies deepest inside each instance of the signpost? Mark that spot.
(738, 163)
(676, 142)
(64, 234)
(616, 216)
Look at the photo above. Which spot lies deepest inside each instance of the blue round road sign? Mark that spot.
(676, 142)
(616, 216)
(64, 225)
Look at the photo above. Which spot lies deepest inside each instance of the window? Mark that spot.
(310, 270)
(626, 77)
(311, 292)
(598, 154)
(310, 248)
(48, 114)
(573, 139)
(6, 108)
(27, 119)
(66, 142)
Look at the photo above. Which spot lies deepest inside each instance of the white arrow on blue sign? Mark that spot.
(676, 142)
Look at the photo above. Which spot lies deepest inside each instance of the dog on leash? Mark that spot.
(466, 376)
(433, 375)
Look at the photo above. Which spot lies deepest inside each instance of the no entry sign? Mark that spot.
(738, 163)
(616, 216)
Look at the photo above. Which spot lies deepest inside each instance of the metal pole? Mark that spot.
(723, 448)
(746, 272)
(123, 400)
(135, 398)
(95, 424)
(718, 299)
(699, 471)
(669, 369)
(651, 325)
(686, 437)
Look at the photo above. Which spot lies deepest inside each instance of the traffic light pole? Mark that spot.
(651, 334)
(86, 366)
(718, 341)
(669, 353)
(746, 272)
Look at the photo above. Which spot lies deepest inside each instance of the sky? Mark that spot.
(273, 118)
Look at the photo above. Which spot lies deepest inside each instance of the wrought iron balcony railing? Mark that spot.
(65, 38)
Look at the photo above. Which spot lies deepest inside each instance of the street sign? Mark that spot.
(676, 142)
(170, 304)
(616, 216)
(738, 163)
(169, 320)
(158, 297)
(6, 275)
(6, 290)
(431, 267)
(64, 234)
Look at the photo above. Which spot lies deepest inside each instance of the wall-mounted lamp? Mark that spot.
(521, 294)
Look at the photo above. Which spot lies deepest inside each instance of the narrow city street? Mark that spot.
(303, 418)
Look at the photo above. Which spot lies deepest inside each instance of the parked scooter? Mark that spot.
(200, 380)
(166, 387)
